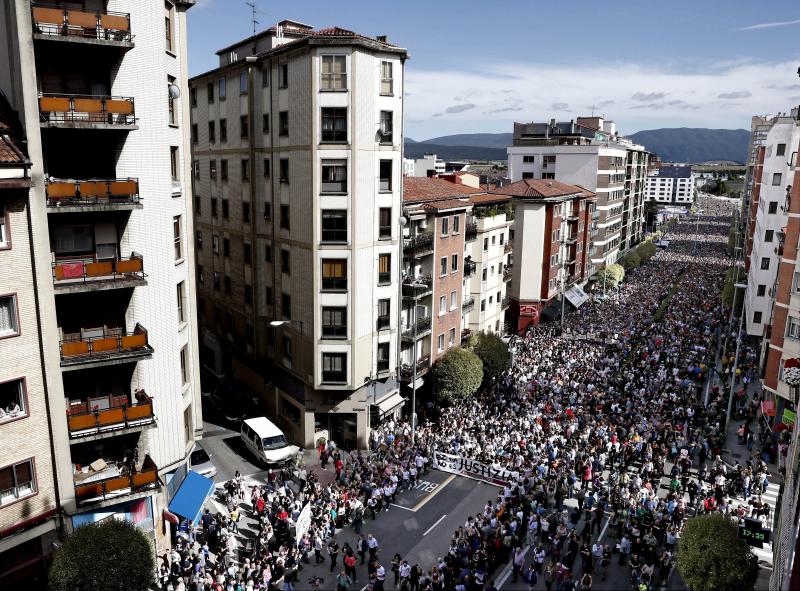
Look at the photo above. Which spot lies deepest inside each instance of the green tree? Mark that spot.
(711, 557)
(631, 260)
(610, 276)
(457, 375)
(492, 351)
(646, 251)
(110, 555)
(731, 238)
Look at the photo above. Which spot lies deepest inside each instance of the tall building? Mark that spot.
(769, 214)
(297, 142)
(590, 153)
(671, 185)
(103, 271)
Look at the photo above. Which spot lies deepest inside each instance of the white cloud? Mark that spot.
(770, 25)
(699, 98)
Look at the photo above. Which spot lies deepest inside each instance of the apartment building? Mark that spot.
(435, 265)
(759, 128)
(590, 153)
(770, 199)
(297, 169)
(427, 165)
(102, 266)
(671, 185)
(551, 242)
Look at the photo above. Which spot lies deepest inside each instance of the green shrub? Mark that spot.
(457, 375)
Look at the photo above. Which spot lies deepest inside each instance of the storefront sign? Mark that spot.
(471, 468)
(789, 417)
(528, 310)
(303, 523)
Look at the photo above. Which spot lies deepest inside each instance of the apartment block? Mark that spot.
(552, 234)
(297, 171)
(671, 185)
(104, 265)
(589, 152)
(759, 128)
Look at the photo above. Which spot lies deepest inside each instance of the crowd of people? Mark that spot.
(607, 419)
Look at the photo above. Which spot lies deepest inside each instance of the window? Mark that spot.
(283, 123)
(248, 299)
(773, 207)
(764, 263)
(196, 170)
(442, 305)
(761, 290)
(286, 260)
(243, 82)
(443, 266)
(452, 340)
(284, 172)
(445, 226)
(210, 92)
(286, 306)
(334, 73)
(441, 343)
(267, 167)
(334, 176)
(187, 424)
(173, 162)
(215, 244)
(454, 263)
(223, 130)
(216, 281)
(185, 365)
(245, 170)
(226, 247)
(17, 481)
(796, 284)
(226, 209)
(387, 81)
(385, 223)
(283, 76)
(199, 237)
(483, 274)
(268, 253)
(179, 292)
(527, 175)
(265, 123)
(383, 313)
(195, 139)
(333, 125)
(287, 347)
(13, 400)
(5, 239)
(268, 297)
(453, 300)
(780, 150)
(768, 235)
(456, 224)
(176, 231)
(334, 367)
(385, 175)
(193, 95)
(223, 170)
(246, 211)
(168, 25)
(387, 121)
(334, 225)
(502, 238)
(384, 269)
(221, 86)
(528, 159)
(285, 217)
(243, 127)
(776, 178)
(212, 170)
(485, 244)
(334, 323)
(483, 305)
(793, 329)
(382, 359)
(173, 120)
(334, 274)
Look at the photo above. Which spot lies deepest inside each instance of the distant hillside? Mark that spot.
(486, 140)
(454, 152)
(684, 144)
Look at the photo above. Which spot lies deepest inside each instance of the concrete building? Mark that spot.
(671, 185)
(102, 265)
(759, 128)
(551, 244)
(590, 153)
(771, 199)
(297, 149)
(428, 165)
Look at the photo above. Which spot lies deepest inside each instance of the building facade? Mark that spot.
(671, 185)
(98, 93)
(297, 141)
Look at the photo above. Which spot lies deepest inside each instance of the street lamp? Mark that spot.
(279, 323)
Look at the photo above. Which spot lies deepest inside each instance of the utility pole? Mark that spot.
(733, 373)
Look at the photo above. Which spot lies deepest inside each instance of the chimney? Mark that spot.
(382, 38)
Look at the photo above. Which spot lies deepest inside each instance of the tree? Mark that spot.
(457, 375)
(631, 260)
(646, 251)
(110, 555)
(492, 351)
(610, 276)
(712, 558)
(732, 238)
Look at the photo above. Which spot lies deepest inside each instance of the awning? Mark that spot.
(768, 408)
(188, 501)
(576, 296)
(390, 403)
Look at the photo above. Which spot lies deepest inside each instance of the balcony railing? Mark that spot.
(423, 326)
(469, 268)
(508, 273)
(471, 230)
(417, 287)
(78, 272)
(407, 370)
(418, 245)
(505, 303)
(508, 247)
(62, 193)
(94, 344)
(74, 22)
(595, 215)
(131, 482)
(121, 415)
(468, 304)
(87, 110)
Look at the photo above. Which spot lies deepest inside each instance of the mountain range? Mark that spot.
(681, 144)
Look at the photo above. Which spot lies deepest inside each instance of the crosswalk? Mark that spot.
(771, 498)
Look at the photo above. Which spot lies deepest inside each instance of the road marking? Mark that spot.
(605, 527)
(401, 507)
(438, 521)
(419, 505)
(508, 569)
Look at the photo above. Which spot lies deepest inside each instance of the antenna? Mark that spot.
(593, 108)
(254, 11)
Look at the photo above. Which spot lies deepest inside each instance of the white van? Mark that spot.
(266, 442)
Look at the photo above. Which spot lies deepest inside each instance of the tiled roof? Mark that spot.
(420, 188)
(488, 199)
(10, 153)
(540, 188)
(447, 204)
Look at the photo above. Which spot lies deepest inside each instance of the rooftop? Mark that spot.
(672, 172)
(418, 189)
(543, 188)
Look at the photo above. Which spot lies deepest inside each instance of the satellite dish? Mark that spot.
(174, 91)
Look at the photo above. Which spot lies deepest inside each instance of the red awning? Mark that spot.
(768, 408)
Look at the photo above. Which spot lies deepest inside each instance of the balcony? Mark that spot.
(471, 231)
(572, 238)
(417, 287)
(103, 346)
(468, 305)
(595, 215)
(76, 276)
(469, 268)
(383, 323)
(418, 245)
(87, 112)
(82, 26)
(407, 370)
(508, 247)
(423, 328)
(465, 335)
(508, 273)
(505, 303)
(65, 196)
(98, 416)
(103, 480)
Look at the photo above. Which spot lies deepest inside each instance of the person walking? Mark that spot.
(518, 562)
(333, 552)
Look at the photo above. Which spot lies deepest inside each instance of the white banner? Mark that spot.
(472, 469)
(303, 523)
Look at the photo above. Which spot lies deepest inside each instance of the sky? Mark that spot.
(479, 66)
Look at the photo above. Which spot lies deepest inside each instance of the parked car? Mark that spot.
(200, 461)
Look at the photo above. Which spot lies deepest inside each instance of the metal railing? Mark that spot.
(92, 192)
(76, 346)
(417, 287)
(469, 268)
(407, 369)
(87, 109)
(508, 273)
(507, 247)
(116, 417)
(471, 230)
(506, 302)
(74, 22)
(468, 304)
(423, 324)
(134, 481)
(418, 244)
(78, 271)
